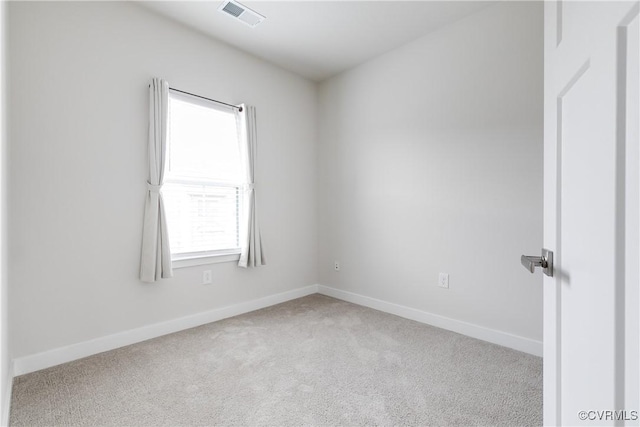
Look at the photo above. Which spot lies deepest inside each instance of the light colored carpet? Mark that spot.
(311, 361)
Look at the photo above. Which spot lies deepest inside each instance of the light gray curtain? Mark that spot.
(252, 254)
(155, 261)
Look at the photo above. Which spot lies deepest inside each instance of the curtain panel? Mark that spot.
(155, 262)
(252, 254)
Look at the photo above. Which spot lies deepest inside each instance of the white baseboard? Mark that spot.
(491, 335)
(35, 362)
(57, 356)
(6, 398)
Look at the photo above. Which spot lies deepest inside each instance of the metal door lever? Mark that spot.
(545, 261)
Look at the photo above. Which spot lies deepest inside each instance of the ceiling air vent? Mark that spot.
(241, 13)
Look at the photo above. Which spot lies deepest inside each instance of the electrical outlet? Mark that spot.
(443, 280)
(206, 277)
(336, 265)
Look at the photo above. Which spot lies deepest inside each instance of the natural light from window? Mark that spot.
(203, 187)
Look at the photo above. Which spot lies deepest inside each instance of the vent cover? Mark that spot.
(241, 12)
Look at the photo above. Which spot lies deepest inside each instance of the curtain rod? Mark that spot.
(208, 99)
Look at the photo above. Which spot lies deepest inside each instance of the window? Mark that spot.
(205, 178)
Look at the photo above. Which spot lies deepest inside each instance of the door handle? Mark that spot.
(545, 261)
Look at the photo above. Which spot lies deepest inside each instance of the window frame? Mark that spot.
(190, 259)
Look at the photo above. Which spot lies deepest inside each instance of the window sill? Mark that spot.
(204, 260)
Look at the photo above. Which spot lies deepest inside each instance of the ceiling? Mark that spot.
(318, 39)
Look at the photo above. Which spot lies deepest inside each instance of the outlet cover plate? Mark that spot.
(443, 280)
(206, 277)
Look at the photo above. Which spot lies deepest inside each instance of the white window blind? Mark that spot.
(204, 182)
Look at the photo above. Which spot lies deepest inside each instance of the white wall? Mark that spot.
(78, 92)
(430, 160)
(5, 362)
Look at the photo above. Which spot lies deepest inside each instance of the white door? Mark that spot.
(591, 182)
